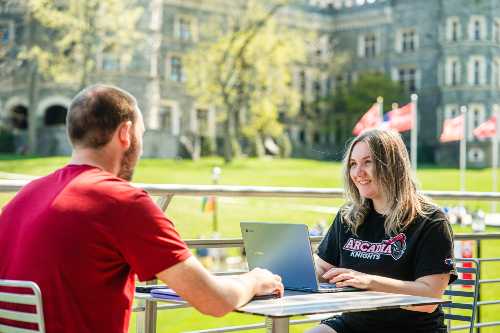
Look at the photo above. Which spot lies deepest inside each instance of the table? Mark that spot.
(279, 311)
(294, 303)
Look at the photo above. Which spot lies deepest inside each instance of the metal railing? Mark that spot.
(146, 321)
(238, 243)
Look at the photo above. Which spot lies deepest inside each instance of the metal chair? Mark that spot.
(463, 301)
(34, 299)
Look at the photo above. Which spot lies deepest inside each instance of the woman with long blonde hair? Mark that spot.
(387, 237)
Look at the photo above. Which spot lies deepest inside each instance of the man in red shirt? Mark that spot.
(83, 232)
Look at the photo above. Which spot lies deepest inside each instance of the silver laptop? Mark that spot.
(284, 249)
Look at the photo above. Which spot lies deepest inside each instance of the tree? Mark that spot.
(246, 74)
(64, 39)
(349, 103)
(77, 31)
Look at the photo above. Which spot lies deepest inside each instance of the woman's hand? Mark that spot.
(343, 277)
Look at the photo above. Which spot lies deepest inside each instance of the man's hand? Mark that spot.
(343, 277)
(217, 295)
(266, 282)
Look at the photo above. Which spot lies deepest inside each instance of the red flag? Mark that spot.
(487, 129)
(400, 119)
(453, 129)
(371, 119)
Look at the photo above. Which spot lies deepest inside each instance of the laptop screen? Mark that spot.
(282, 248)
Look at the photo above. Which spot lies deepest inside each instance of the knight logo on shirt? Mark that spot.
(398, 245)
(394, 247)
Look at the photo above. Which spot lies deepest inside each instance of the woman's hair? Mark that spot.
(392, 172)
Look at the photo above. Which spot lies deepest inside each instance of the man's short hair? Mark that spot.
(96, 112)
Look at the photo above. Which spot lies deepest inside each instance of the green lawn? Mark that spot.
(192, 222)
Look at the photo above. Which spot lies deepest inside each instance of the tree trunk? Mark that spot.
(231, 144)
(33, 101)
(259, 146)
(33, 92)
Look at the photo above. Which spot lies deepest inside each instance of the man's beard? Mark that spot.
(129, 160)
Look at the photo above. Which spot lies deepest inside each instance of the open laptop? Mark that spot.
(284, 249)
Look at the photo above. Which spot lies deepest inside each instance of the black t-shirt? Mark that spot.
(425, 247)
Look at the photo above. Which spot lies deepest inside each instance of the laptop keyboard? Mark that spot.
(325, 285)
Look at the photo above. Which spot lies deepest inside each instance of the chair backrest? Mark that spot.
(463, 295)
(21, 299)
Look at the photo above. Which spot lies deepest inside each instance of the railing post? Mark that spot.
(164, 201)
(140, 322)
(150, 317)
(478, 277)
(277, 324)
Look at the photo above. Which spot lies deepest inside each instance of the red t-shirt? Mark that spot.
(82, 234)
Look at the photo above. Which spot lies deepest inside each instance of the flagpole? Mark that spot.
(463, 148)
(380, 102)
(414, 132)
(494, 156)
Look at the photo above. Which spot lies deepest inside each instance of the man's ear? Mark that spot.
(124, 133)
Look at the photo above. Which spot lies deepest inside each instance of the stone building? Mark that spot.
(446, 51)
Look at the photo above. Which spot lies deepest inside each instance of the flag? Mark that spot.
(487, 129)
(399, 119)
(208, 204)
(453, 129)
(371, 119)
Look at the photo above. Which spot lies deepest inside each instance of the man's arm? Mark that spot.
(217, 295)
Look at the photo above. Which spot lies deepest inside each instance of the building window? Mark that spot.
(408, 41)
(477, 71)
(496, 31)
(370, 46)
(367, 46)
(185, 28)
(302, 136)
(202, 121)
(165, 121)
(317, 90)
(451, 111)
(476, 116)
(302, 107)
(455, 73)
(176, 73)
(477, 28)
(453, 29)
(452, 72)
(407, 77)
(316, 137)
(495, 73)
(302, 81)
(322, 48)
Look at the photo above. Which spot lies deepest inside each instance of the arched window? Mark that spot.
(453, 29)
(477, 28)
(55, 115)
(477, 70)
(453, 69)
(476, 116)
(19, 117)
